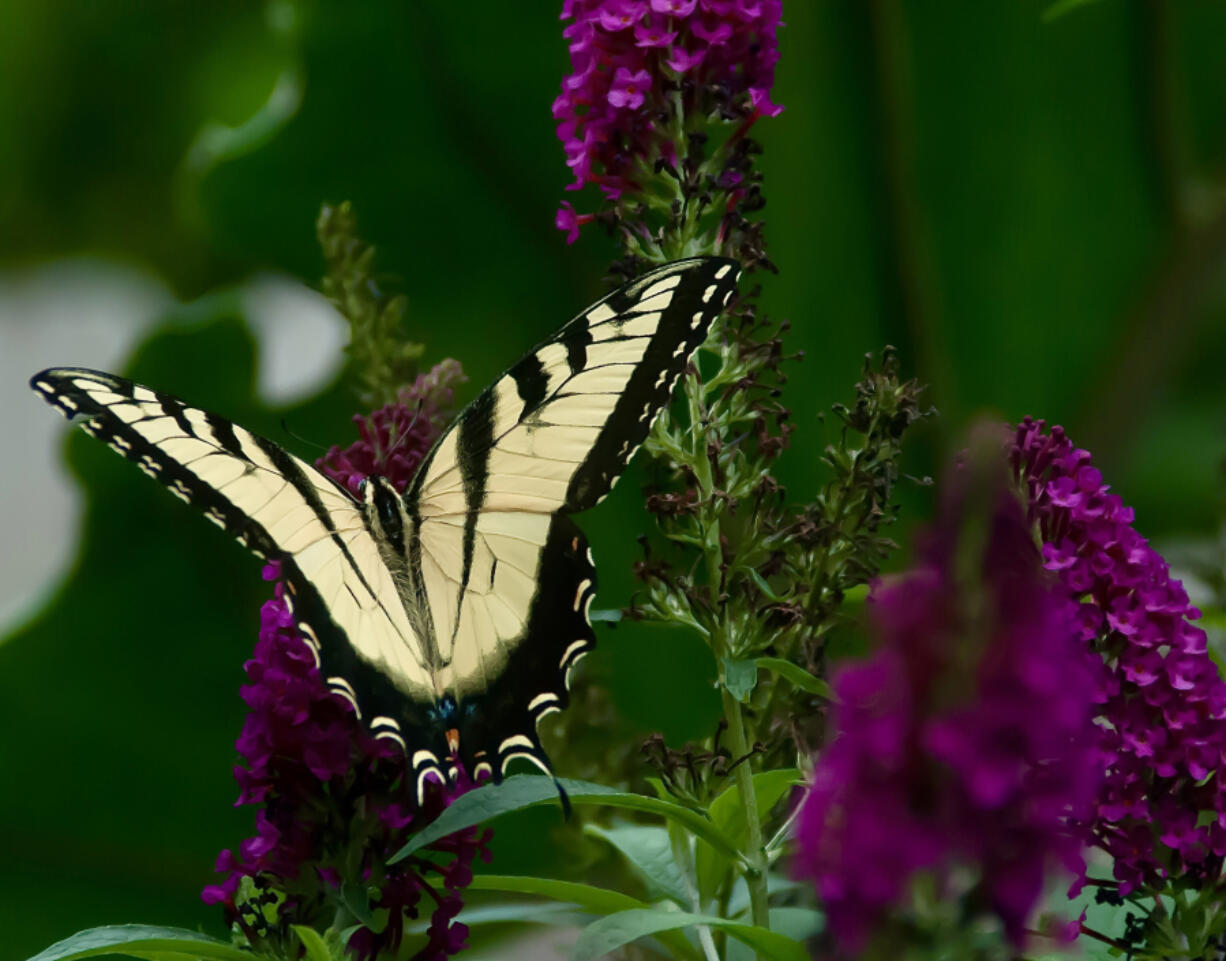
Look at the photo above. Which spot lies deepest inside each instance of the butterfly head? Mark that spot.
(385, 511)
(448, 716)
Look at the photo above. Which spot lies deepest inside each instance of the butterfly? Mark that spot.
(450, 616)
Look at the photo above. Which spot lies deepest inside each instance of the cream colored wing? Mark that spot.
(345, 600)
(507, 576)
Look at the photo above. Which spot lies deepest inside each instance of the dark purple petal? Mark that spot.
(1162, 729)
(956, 747)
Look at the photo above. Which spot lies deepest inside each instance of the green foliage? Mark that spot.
(1033, 284)
(381, 358)
(526, 790)
(142, 941)
(607, 934)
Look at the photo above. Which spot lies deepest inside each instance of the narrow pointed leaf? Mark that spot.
(587, 896)
(527, 790)
(143, 941)
(316, 949)
(598, 900)
(649, 852)
(727, 816)
(608, 934)
(797, 675)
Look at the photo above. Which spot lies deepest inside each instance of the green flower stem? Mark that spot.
(755, 869)
(755, 872)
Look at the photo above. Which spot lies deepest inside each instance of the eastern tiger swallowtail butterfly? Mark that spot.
(450, 616)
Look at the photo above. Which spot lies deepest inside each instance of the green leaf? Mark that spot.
(143, 941)
(740, 677)
(588, 896)
(1061, 7)
(649, 852)
(528, 790)
(527, 912)
(797, 675)
(727, 815)
(763, 586)
(598, 900)
(608, 934)
(316, 949)
(611, 615)
(356, 898)
(799, 924)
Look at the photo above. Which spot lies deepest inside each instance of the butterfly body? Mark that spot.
(451, 616)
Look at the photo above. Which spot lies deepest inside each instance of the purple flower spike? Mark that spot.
(333, 795)
(628, 61)
(1162, 703)
(964, 742)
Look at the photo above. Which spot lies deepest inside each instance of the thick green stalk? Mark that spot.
(755, 873)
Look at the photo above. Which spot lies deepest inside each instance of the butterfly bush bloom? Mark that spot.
(964, 741)
(335, 802)
(1161, 812)
(639, 69)
(394, 439)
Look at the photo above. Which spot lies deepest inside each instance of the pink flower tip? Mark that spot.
(566, 219)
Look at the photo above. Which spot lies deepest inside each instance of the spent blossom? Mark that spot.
(965, 740)
(1161, 811)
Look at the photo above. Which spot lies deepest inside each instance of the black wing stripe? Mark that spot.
(531, 381)
(473, 448)
(288, 467)
(223, 431)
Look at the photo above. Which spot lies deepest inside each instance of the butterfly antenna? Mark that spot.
(564, 798)
(405, 433)
(300, 438)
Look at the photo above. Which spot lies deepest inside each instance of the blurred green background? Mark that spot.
(1033, 212)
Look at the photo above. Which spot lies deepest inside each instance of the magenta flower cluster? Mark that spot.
(965, 741)
(334, 798)
(394, 439)
(1161, 811)
(627, 55)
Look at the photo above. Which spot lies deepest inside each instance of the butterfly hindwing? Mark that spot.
(550, 437)
(278, 506)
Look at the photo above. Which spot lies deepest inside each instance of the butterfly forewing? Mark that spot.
(509, 579)
(280, 507)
